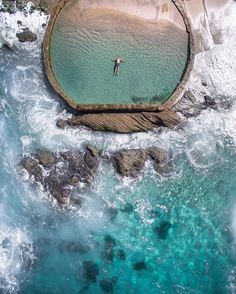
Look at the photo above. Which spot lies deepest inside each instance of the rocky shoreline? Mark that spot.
(124, 122)
(59, 173)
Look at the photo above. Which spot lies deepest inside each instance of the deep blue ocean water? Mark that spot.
(167, 232)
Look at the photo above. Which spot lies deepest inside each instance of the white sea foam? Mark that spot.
(15, 252)
(9, 26)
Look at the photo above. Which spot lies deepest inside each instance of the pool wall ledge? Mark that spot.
(123, 118)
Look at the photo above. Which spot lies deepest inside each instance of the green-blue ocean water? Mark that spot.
(171, 231)
(82, 54)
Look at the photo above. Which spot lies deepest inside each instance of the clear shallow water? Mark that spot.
(196, 196)
(82, 52)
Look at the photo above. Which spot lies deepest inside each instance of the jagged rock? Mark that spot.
(8, 6)
(61, 123)
(11, 6)
(31, 165)
(129, 162)
(27, 36)
(159, 155)
(189, 105)
(46, 158)
(90, 157)
(43, 6)
(127, 122)
(92, 149)
(64, 171)
(209, 102)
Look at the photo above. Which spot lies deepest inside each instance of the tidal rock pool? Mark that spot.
(85, 41)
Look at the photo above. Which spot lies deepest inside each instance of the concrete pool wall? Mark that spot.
(158, 9)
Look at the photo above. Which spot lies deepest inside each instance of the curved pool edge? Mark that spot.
(99, 108)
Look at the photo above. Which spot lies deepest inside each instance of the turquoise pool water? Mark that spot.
(167, 232)
(83, 50)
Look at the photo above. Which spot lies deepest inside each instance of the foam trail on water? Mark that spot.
(15, 250)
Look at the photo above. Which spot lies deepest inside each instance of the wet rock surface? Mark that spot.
(124, 122)
(11, 6)
(189, 105)
(26, 36)
(60, 172)
(129, 162)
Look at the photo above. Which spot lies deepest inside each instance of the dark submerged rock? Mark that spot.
(77, 201)
(27, 36)
(141, 265)
(109, 244)
(121, 254)
(162, 229)
(91, 271)
(127, 208)
(112, 213)
(106, 285)
(73, 247)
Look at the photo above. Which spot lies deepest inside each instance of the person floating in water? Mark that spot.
(116, 68)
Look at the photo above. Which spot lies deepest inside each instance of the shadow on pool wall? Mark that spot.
(150, 9)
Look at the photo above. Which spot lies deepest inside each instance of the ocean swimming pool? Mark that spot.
(85, 43)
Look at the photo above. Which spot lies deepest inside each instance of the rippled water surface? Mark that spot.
(168, 232)
(83, 50)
